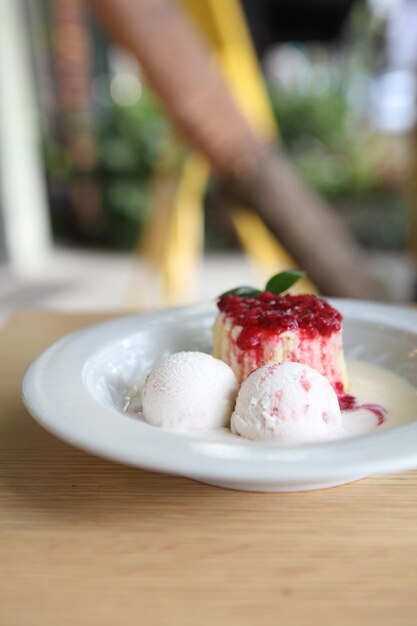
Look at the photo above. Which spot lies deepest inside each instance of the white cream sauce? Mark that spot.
(371, 384)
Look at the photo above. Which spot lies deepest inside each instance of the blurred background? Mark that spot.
(81, 133)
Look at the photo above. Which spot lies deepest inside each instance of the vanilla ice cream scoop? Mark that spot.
(287, 402)
(189, 390)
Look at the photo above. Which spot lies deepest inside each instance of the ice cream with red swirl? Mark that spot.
(288, 403)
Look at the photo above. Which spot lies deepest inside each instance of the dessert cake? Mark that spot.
(250, 332)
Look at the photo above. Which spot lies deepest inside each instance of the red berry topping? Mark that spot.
(270, 313)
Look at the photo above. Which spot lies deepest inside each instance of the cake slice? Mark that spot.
(250, 332)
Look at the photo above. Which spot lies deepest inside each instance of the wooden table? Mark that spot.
(87, 542)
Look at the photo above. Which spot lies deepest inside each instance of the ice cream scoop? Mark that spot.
(189, 390)
(288, 403)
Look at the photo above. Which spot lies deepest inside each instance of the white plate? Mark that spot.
(76, 389)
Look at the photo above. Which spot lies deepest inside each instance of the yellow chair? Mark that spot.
(173, 240)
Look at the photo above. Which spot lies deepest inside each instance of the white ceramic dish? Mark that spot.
(76, 389)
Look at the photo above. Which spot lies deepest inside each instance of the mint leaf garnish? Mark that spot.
(276, 285)
(283, 281)
(244, 292)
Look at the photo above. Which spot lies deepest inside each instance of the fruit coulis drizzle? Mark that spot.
(349, 403)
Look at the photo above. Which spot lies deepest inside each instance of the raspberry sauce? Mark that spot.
(349, 403)
(270, 313)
